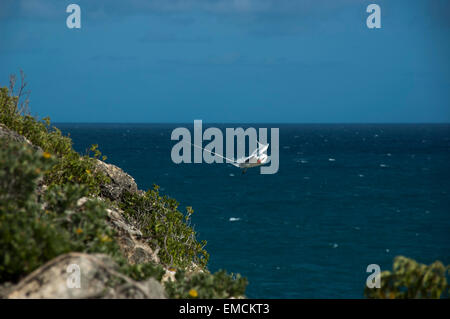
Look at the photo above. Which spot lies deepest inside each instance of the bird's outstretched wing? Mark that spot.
(263, 149)
(227, 160)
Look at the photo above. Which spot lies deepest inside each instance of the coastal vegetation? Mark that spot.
(410, 280)
(52, 202)
(158, 218)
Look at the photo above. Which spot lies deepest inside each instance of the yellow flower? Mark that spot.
(105, 239)
(47, 155)
(88, 171)
(193, 293)
(172, 269)
(79, 231)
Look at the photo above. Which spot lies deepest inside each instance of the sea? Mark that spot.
(346, 196)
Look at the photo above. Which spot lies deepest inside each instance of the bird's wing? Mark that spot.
(227, 160)
(263, 149)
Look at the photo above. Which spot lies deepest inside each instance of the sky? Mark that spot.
(277, 61)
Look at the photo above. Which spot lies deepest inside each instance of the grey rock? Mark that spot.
(9, 135)
(120, 181)
(4, 289)
(99, 278)
(129, 237)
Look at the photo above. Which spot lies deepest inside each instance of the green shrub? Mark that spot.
(35, 229)
(206, 286)
(143, 271)
(86, 224)
(409, 279)
(39, 133)
(70, 167)
(73, 169)
(26, 239)
(163, 225)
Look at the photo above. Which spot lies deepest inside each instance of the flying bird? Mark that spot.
(257, 158)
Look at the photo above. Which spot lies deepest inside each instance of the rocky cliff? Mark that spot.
(65, 216)
(100, 277)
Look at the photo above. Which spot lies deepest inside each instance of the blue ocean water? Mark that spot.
(310, 230)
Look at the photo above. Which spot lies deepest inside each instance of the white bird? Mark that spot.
(257, 158)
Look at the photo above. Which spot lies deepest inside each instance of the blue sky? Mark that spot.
(304, 61)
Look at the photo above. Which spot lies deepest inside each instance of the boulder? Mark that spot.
(99, 278)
